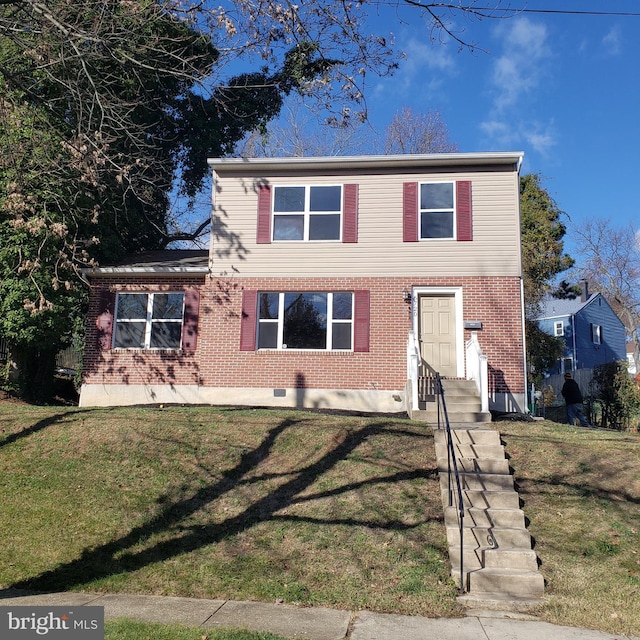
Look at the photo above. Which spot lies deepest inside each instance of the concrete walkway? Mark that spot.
(311, 623)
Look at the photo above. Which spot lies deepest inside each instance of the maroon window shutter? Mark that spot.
(264, 214)
(410, 212)
(361, 321)
(350, 214)
(464, 217)
(105, 319)
(248, 320)
(190, 322)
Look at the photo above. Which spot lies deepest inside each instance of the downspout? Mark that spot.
(573, 339)
(524, 347)
(525, 409)
(214, 177)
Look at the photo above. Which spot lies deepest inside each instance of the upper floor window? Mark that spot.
(307, 213)
(558, 329)
(596, 334)
(437, 209)
(441, 210)
(305, 320)
(149, 320)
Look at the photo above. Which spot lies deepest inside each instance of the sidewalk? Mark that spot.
(311, 623)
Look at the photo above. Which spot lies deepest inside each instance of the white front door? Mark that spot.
(437, 333)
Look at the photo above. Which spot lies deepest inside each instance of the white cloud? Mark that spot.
(520, 68)
(499, 132)
(517, 73)
(505, 134)
(424, 70)
(612, 41)
(421, 54)
(541, 141)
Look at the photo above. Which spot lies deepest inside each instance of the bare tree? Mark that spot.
(297, 134)
(411, 132)
(100, 56)
(611, 265)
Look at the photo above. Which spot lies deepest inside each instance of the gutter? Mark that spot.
(363, 162)
(114, 272)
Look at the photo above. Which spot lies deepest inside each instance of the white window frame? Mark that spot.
(422, 210)
(149, 320)
(596, 333)
(306, 213)
(281, 346)
(558, 329)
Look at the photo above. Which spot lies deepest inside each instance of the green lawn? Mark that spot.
(331, 510)
(132, 630)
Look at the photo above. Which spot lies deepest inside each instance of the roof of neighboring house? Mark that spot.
(555, 308)
(168, 261)
(369, 162)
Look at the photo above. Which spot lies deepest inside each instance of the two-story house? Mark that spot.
(590, 330)
(330, 282)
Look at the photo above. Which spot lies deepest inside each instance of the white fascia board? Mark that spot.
(559, 317)
(114, 272)
(372, 162)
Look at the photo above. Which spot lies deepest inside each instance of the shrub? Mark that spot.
(617, 394)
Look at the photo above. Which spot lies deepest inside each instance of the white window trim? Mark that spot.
(457, 297)
(421, 211)
(558, 329)
(149, 320)
(307, 213)
(330, 322)
(596, 333)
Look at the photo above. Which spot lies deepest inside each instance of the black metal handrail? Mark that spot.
(452, 470)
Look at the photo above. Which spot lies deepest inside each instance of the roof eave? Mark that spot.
(371, 162)
(115, 272)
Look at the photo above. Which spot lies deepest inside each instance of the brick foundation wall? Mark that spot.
(218, 361)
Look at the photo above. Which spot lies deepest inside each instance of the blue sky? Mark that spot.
(562, 88)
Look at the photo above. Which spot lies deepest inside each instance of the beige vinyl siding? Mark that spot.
(380, 250)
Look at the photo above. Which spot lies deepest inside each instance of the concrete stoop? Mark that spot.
(463, 404)
(500, 568)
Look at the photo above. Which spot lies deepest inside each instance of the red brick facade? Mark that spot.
(217, 360)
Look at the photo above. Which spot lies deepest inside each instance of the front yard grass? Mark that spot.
(300, 507)
(123, 629)
(581, 493)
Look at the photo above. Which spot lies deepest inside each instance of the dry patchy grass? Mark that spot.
(581, 493)
(335, 510)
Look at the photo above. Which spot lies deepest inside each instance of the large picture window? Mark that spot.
(149, 320)
(437, 208)
(305, 320)
(307, 213)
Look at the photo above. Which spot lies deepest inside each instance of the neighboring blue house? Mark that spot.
(592, 332)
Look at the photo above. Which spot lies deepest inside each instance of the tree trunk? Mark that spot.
(36, 370)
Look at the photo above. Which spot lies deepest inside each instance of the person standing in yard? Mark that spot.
(573, 399)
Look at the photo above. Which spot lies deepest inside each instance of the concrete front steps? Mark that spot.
(500, 569)
(463, 404)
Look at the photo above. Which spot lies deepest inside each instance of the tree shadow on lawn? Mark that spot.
(120, 556)
(38, 426)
